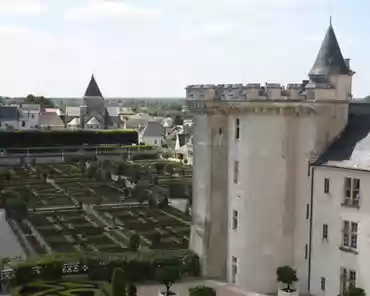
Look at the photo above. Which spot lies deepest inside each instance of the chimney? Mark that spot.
(347, 61)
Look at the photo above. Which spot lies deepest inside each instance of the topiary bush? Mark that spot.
(118, 282)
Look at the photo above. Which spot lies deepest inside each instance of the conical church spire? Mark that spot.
(329, 59)
(93, 89)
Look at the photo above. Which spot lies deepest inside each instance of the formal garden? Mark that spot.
(87, 217)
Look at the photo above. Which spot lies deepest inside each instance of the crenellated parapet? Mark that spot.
(246, 92)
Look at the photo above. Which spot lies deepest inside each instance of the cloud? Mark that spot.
(22, 7)
(99, 9)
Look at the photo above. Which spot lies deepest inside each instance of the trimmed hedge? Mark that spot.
(54, 138)
(202, 291)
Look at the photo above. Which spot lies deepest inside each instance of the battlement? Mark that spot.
(245, 92)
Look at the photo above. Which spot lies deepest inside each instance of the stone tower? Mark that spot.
(251, 181)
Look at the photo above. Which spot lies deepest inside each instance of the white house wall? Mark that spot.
(327, 258)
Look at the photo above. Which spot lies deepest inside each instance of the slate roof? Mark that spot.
(51, 119)
(329, 59)
(93, 89)
(74, 122)
(183, 139)
(9, 113)
(153, 129)
(93, 121)
(352, 148)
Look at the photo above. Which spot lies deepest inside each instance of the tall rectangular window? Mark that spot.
(323, 284)
(236, 171)
(234, 269)
(350, 233)
(305, 251)
(347, 280)
(307, 211)
(325, 231)
(237, 129)
(326, 185)
(351, 192)
(235, 219)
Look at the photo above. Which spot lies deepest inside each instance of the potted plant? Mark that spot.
(287, 276)
(167, 275)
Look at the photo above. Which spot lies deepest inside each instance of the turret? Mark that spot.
(330, 76)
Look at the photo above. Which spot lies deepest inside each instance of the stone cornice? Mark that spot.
(284, 108)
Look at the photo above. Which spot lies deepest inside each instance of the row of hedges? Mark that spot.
(66, 138)
(139, 266)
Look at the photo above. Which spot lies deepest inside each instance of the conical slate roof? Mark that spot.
(93, 89)
(329, 59)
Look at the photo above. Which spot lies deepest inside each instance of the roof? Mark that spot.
(74, 122)
(9, 113)
(183, 139)
(133, 122)
(30, 107)
(50, 119)
(93, 121)
(113, 111)
(329, 59)
(93, 89)
(352, 148)
(153, 129)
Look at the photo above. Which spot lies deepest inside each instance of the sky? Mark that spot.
(155, 48)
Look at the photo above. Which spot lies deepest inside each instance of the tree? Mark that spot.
(134, 243)
(286, 275)
(118, 283)
(168, 275)
(354, 291)
(3, 261)
(15, 208)
(42, 101)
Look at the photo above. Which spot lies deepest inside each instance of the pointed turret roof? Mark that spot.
(93, 89)
(329, 59)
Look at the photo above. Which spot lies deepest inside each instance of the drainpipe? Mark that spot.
(310, 231)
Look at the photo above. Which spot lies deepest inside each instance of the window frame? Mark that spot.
(325, 231)
(326, 185)
(352, 192)
(350, 236)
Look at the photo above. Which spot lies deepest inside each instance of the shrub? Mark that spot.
(24, 274)
(156, 239)
(354, 291)
(286, 275)
(118, 282)
(202, 291)
(51, 270)
(134, 243)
